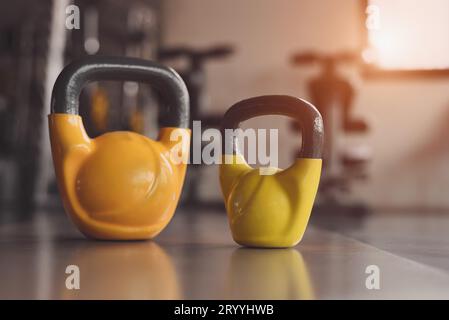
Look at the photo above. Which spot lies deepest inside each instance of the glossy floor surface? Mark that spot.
(195, 258)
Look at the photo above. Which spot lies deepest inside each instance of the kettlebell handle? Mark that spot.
(70, 82)
(307, 116)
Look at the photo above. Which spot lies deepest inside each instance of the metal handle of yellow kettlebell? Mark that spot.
(68, 86)
(307, 116)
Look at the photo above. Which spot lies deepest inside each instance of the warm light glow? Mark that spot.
(408, 34)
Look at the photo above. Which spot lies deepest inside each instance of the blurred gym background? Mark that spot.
(377, 70)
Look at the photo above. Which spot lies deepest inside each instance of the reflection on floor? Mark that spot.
(195, 258)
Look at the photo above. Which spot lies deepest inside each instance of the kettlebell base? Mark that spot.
(109, 235)
(266, 243)
(98, 230)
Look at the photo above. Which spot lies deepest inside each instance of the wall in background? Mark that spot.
(409, 118)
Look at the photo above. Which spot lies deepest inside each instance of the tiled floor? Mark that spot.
(195, 258)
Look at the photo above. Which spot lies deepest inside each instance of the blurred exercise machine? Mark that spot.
(333, 95)
(133, 32)
(24, 42)
(195, 79)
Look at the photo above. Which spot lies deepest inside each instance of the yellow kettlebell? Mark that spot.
(271, 210)
(120, 185)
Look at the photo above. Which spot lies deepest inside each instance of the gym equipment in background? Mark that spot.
(99, 109)
(25, 42)
(195, 78)
(132, 29)
(120, 185)
(143, 41)
(333, 95)
(271, 210)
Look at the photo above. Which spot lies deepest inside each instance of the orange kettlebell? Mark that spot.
(120, 185)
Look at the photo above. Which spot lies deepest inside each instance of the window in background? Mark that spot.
(407, 35)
